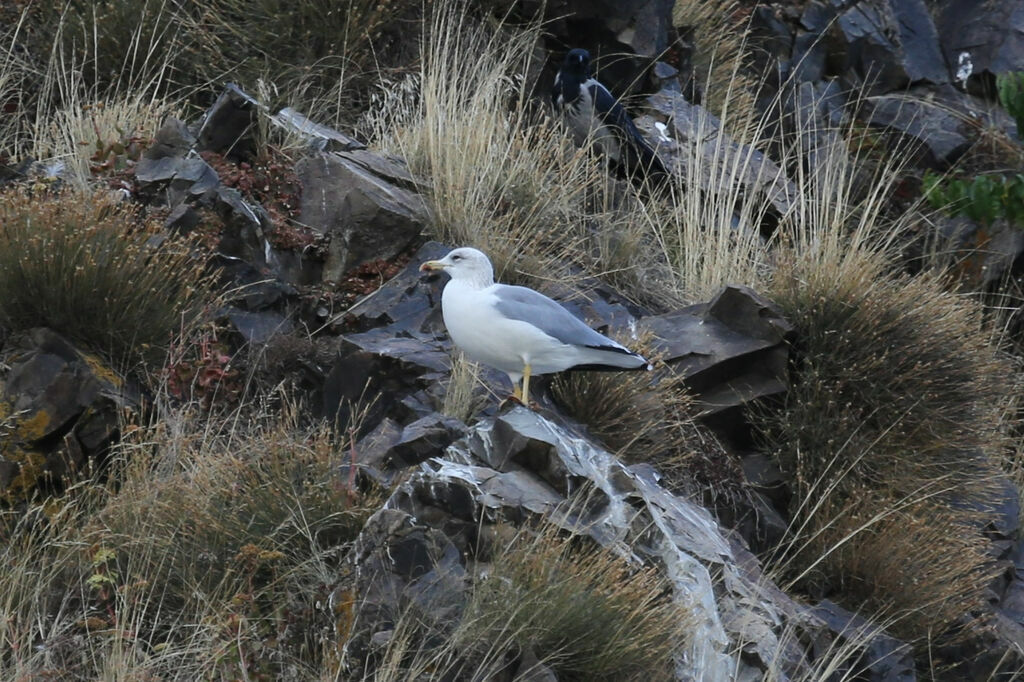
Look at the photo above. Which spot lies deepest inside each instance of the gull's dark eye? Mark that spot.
(456, 257)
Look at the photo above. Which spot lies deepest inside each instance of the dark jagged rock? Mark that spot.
(320, 137)
(641, 26)
(888, 44)
(62, 409)
(365, 216)
(880, 45)
(675, 127)
(404, 568)
(258, 327)
(980, 41)
(884, 658)
(229, 124)
(173, 140)
(728, 352)
(929, 129)
(518, 466)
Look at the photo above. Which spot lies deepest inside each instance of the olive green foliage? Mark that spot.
(1010, 87)
(988, 197)
(82, 266)
(984, 198)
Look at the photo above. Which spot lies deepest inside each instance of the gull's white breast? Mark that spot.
(486, 336)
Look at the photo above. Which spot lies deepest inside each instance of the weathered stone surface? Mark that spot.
(885, 659)
(320, 137)
(889, 44)
(391, 447)
(402, 566)
(60, 406)
(258, 327)
(982, 39)
(519, 466)
(365, 216)
(228, 125)
(173, 139)
(642, 26)
(675, 128)
(936, 135)
(728, 352)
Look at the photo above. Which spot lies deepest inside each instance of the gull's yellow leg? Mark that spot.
(517, 392)
(526, 385)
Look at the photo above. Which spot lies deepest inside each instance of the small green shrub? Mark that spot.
(984, 198)
(82, 266)
(1010, 87)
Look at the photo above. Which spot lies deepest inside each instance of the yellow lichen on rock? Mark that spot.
(31, 466)
(101, 371)
(32, 428)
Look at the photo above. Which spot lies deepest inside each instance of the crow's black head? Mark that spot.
(577, 62)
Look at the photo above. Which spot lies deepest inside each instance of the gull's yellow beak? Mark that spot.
(432, 265)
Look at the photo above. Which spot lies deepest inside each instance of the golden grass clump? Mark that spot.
(210, 558)
(937, 579)
(580, 609)
(503, 177)
(546, 599)
(81, 265)
(641, 416)
(719, 35)
(898, 395)
(887, 366)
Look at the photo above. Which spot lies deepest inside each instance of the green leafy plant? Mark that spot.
(1010, 87)
(985, 198)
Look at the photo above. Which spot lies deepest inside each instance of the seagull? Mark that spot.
(592, 112)
(518, 330)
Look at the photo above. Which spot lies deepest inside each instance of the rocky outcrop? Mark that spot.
(692, 143)
(519, 466)
(60, 410)
(362, 215)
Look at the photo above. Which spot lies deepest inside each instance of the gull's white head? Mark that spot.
(464, 264)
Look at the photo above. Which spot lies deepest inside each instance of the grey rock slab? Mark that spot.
(937, 134)
(692, 142)
(365, 216)
(319, 136)
(686, 540)
(729, 352)
(890, 44)
(982, 38)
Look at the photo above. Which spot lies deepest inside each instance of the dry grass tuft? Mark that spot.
(897, 397)
(718, 35)
(82, 266)
(504, 178)
(208, 560)
(463, 399)
(546, 599)
(638, 416)
(887, 365)
(581, 610)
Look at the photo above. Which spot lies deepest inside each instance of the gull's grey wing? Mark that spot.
(527, 305)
